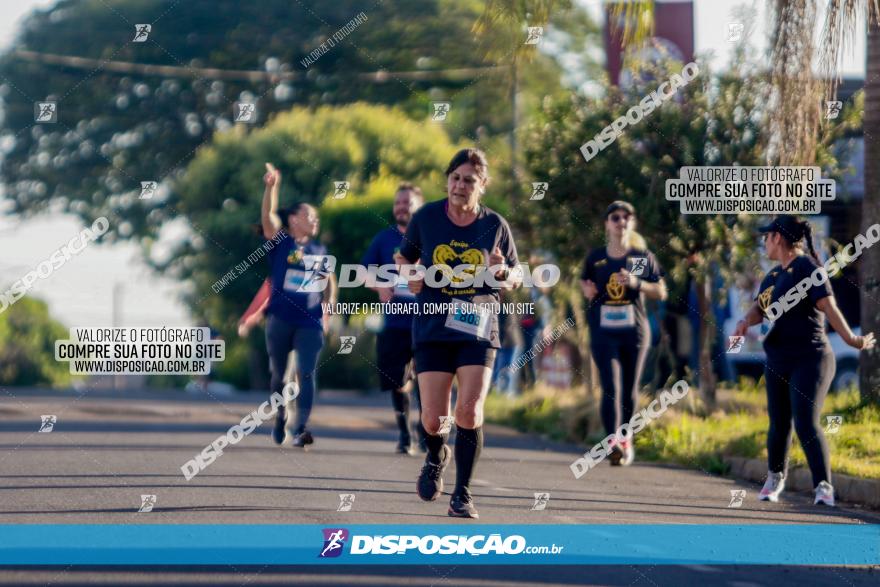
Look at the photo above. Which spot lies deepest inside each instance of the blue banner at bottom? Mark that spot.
(232, 544)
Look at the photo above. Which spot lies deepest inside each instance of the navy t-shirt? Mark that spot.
(381, 252)
(618, 309)
(433, 239)
(802, 328)
(298, 279)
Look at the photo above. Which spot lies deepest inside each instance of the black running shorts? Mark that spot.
(393, 354)
(449, 356)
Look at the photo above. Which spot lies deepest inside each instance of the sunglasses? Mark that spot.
(618, 217)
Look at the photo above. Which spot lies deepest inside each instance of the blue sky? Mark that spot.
(80, 292)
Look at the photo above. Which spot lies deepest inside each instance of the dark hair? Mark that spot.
(473, 156)
(405, 186)
(808, 236)
(284, 213)
(793, 230)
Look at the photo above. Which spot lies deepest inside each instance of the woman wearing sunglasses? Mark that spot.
(613, 280)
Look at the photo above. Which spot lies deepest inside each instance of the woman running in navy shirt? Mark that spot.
(300, 277)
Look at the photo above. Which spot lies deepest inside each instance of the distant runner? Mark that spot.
(394, 344)
(295, 317)
(614, 279)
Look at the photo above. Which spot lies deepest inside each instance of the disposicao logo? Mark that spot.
(452, 544)
(334, 541)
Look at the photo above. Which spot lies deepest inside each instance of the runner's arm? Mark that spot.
(371, 258)
(654, 291)
(331, 292)
(752, 317)
(269, 213)
(828, 305)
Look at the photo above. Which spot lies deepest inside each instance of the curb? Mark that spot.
(847, 488)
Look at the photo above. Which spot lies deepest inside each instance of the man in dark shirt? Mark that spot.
(394, 343)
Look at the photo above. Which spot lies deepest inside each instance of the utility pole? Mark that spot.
(116, 320)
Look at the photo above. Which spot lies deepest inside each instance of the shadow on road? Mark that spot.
(446, 575)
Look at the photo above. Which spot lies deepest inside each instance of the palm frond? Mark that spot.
(511, 17)
(635, 18)
(796, 92)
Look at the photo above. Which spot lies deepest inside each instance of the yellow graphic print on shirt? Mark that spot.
(615, 291)
(447, 258)
(294, 257)
(764, 298)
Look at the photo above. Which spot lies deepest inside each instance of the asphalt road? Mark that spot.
(106, 450)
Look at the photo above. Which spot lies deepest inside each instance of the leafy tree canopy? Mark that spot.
(116, 129)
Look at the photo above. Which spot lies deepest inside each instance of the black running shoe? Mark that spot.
(461, 505)
(616, 456)
(430, 483)
(302, 439)
(280, 423)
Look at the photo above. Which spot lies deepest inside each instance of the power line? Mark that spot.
(146, 69)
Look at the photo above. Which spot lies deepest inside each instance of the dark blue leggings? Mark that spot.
(796, 388)
(620, 360)
(281, 338)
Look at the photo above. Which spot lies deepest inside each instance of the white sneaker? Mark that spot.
(629, 452)
(824, 494)
(773, 486)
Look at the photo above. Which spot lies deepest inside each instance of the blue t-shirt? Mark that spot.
(433, 239)
(298, 282)
(381, 252)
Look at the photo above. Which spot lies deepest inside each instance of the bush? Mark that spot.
(356, 370)
(27, 346)
(737, 428)
(371, 147)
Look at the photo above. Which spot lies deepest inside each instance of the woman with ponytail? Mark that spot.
(613, 280)
(299, 282)
(800, 363)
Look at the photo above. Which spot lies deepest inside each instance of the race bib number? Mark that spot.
(470, 319)
(401, 288)
(617, 316)
(313, 277)
(294, 279)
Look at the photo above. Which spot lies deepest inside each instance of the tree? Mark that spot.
(795, 135)
(798, 94)
(504, 29)
(869, 363)
(27, 345)
(711, 121)
(372, 148)
(116, 129)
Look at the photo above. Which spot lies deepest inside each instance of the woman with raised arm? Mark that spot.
(295, 318)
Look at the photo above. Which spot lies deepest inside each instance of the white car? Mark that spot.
(751, 357)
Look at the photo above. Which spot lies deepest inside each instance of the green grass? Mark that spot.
(688, 436)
